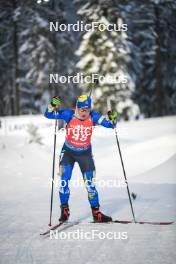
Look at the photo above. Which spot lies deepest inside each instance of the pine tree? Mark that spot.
(36, 56)
(50, 52)
(149, 57)
(9, 68)
(166, 57)
(107, 54)
(30, 52)
(152, 34)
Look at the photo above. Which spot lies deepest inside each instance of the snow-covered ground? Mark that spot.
(149, 152)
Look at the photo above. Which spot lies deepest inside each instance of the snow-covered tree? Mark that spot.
(107, 54)
(152, 32)
(149, 57)
(9, 70)
(30, 52)
(50, 52)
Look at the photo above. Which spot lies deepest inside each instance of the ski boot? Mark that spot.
(65, 213)
(98, 216)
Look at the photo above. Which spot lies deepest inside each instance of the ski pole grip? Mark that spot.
(109, 114)
(56, 101)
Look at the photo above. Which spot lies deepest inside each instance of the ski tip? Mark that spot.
(42, 234)
(51, 228)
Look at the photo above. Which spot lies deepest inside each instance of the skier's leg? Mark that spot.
(87, 167)
(66, 164)
(65, 172)
(89, 180)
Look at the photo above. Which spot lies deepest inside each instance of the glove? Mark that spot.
(112, 115)
(56, 101)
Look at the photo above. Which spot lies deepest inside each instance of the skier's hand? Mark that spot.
(56, 101)
(55, 104)
(112, 115)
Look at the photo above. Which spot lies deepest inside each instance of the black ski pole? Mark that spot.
(124, 173)
(52, 185)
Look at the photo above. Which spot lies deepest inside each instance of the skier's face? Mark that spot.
(83, 112)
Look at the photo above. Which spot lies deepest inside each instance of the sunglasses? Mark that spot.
(85, 109)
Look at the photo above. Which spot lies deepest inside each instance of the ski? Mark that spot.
(137, 222)
(53, 227)
(65, 225)
(142, 222)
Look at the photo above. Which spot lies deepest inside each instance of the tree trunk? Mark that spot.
(159, 110)
(16, 91)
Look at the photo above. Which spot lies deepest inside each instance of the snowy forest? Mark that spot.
(145, 54)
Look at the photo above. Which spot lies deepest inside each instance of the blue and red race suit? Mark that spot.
(77, 148)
